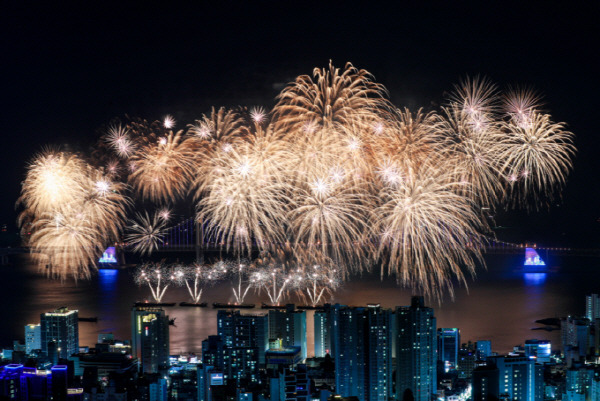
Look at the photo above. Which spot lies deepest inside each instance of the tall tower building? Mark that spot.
(592, 307)
(484, 349)
(361, 345)
(448, 346)
(235, 363)
(485, 383)
(322, 334)
(244, 331)
(416, 351)
(290, 326)
(520, 378)
(33, 337)
(575, 333)
(150, 338)
(61, 328)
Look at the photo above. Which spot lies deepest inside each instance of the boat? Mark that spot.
(108, 260)
(533, 262)
(191, 304)
(154, 304)
(268, 306)
(219, 305)
(88, 319)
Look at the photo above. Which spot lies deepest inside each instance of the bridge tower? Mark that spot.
(199, 239)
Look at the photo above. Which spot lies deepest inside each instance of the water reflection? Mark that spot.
(535, 279)
(500, 303)
(108, 279)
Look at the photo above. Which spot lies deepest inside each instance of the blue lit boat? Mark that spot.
(533, 262)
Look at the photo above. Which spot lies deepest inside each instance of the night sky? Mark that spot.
(66, 72)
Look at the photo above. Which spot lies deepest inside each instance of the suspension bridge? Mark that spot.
(188, 235)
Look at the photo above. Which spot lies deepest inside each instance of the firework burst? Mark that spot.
(146, 233)
(333, 177)
(471, 151)
(247, 197)
(332, 217)
(536, 156)
(330, 98)
(164, 169)
(427, 231)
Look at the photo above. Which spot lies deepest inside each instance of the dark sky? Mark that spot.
(67, 71)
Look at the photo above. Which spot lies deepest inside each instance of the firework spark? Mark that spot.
(146, 233)
(334, 177)
(247, 197)
(427, 230)
(537, 155)
(157, 276)
(196, 278)
(164, 170)
(330, 98)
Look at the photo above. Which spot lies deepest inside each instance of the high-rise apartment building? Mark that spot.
(234, 363)
(238, 330)
(592, 307)
(33, 337)
(61, 329)
(290, 326)
(519, 378)
(416, 354)
(150, 338)
(322, 336)
(540, 350)
(484, 349)
(485, 383)
(448, 346)
(575, 335)
(361, 346)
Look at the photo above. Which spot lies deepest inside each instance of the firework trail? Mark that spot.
(272, 281)
(196, 278)
(157, 276)
(240, 281)
(316, 283)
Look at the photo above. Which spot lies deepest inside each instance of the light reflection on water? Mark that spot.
(500, 304)
(534, 278)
